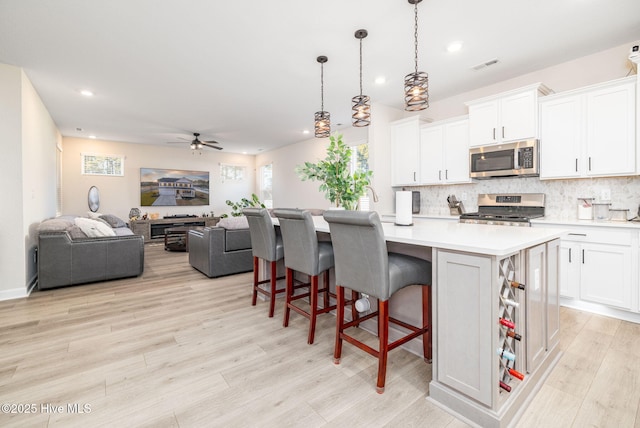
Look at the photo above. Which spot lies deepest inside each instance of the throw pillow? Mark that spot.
(93, 215)
(234, 223)
(94, 228)
(76, 233)
(113, 220)
(55, 225)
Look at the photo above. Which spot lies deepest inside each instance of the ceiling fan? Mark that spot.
(197, 144)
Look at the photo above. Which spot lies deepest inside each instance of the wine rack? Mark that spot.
(510, 296)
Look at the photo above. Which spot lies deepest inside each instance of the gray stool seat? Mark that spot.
(364, 265)
(266, 244)
(303, 253)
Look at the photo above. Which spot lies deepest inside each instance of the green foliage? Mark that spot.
(339, 186)
(237, 207)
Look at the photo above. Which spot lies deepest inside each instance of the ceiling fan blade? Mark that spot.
(185, 139)
(177, 142)
(211, 142)
(211, 146)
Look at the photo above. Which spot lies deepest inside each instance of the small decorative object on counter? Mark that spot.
(618, 214)
(585, 208)
(601, 211)
(134, 214)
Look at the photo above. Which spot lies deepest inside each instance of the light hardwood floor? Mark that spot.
(176, 349)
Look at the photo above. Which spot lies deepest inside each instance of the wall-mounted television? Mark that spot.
(173, 187)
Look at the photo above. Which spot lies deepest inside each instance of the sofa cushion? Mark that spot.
(234, 223)
(55, 225)
(113, 220)
(122, 231)
(94, 228)
(76, 233)
(237, 239)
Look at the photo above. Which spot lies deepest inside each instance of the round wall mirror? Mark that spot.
(94, 199)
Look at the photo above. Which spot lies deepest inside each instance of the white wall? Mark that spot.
(28, 136)
(288, 190)
(119, 194)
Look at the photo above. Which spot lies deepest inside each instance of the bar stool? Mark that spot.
(303, 253)
(266, 245)
(363, 264)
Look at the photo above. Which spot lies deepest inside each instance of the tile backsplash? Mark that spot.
(561, 195)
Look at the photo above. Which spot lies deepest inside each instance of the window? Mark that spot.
(266, 185)
(360, 157)
(102, 164)
(231, 172)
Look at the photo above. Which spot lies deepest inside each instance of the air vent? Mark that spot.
(485, 64)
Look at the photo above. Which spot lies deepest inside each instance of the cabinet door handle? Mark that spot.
(446, 174)
(503, 132)
(569, 255)
(494, 133)
(414, 176)
(576, 164)
(582, 256)
(439, 174)
(589, 163)
(577, 234)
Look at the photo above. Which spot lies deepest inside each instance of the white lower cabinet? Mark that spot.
(599, 265)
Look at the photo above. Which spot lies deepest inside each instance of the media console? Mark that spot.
(153, 230)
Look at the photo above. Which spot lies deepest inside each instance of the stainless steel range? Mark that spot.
(507, 209)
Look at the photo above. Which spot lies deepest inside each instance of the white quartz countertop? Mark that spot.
(472, 238)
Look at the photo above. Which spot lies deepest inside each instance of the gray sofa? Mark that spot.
(219, 250)
(68, 256)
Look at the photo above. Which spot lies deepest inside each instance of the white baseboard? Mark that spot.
(14, 293)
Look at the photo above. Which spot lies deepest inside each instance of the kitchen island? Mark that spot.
(487, 332)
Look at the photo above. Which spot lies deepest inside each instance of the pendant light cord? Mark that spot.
(415, 34)
(360, 67)
(322, 87)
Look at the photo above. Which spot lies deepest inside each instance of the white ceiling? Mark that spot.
(245, 72)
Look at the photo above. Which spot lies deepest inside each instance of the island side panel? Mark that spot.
(463, 303)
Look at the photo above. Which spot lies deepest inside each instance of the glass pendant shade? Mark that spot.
(416, 84)
(360, 104)
(322, 119)
(322, 124)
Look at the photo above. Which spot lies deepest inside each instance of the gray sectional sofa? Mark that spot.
(73, 250)
(221, 250)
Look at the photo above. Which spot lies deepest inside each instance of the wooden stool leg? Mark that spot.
(426, 321)
(383, 335)
(288, 293)
(326, 288)
(313, 311)
(273, 281)
(354, 313)
(256, 265)
(337, 350)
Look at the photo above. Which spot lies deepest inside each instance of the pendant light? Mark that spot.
(360, 106)
(322, 118)
(416, 84)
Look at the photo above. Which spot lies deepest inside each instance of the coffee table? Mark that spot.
(177, 238)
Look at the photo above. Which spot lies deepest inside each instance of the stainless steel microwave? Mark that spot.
(504, 160)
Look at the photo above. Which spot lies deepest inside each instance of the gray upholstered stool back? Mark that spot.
(263, 234)
(360, 252)
(302, 252)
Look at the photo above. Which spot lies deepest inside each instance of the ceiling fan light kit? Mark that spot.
(360, 104)
(197, 144)
(416, 84)
(322, 124)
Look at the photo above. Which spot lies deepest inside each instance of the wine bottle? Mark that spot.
(514, 335)
(516, 284)
(510, 302)
(507, 323)
(516, 374)
(506, 354)
(505, 386)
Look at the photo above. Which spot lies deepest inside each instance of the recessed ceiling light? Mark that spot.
(93, 137)
(381, 80)
(454, 47)
(306, 131)
(86, 93)
(244, 153)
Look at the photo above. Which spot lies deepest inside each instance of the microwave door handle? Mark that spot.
(519, 162)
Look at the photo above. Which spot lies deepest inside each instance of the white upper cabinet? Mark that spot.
(405, 151)
(510, 116)
(589, 132)
(444, 152)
